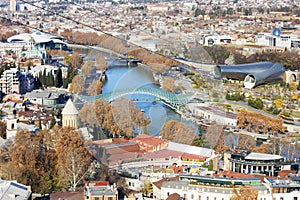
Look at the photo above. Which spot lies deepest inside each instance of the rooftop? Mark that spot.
(69, 109)
(262, 156)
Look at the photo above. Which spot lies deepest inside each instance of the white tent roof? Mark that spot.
(262, 156)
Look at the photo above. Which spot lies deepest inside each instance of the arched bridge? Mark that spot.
(168, 97)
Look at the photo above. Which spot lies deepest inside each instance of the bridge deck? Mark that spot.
(174, 99)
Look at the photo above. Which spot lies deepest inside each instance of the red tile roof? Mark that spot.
(173, 196)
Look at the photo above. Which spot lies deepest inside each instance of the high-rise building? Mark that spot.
(13, 5)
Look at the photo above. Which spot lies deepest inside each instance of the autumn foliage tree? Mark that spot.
(3, 129)
(74, 159)
(178, 132)
(215, 137)
(33, 160)
(77, 84)
(121, 116)
(87, 68)
(49, 160)
(95, 88)
(168, 84)
(101, 63)
(245, 193)
(259, 122)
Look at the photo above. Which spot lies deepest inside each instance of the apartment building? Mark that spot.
(14, 81)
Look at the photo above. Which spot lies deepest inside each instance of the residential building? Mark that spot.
(14, 190)
(48, 97)
(14, 81)
(100, 190)
(13, 5)
(218, 188)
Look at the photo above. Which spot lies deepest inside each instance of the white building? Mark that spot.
(278, 40)
(13, 5)
(212, 114)
(210, 40)
(207, 188)
(14, 190)
(14, 81)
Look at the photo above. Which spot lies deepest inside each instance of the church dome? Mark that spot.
(276, 32)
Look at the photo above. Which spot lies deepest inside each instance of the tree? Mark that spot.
(215, 137)
(147, 188)
(178, 132)
(200, 140)
(87, 68)
(77, 84)
(95, 88)
(87, 115)
(101, 64)
(58, 78)
(76, 60)
(74, 160)
(33, 160)
(245, 193)
(3, 129)
(168, 84)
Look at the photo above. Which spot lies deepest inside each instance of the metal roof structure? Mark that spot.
(253, 74)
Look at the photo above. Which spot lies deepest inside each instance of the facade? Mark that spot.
(12, 5)
(278, 40)
(212, 114)
(14, 81)
(70, 115)
(242, 161)
(210, 40)
(207, 188)
(253, 74)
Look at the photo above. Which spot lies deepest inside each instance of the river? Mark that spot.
(122, 77)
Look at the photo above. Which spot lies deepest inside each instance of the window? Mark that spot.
(97, 198)
(295, 198)
(192, 196)
(281, 198)
(199, 198)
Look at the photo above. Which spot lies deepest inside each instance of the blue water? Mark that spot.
(139, 77)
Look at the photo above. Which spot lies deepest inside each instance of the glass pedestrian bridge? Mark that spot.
(167, 97)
